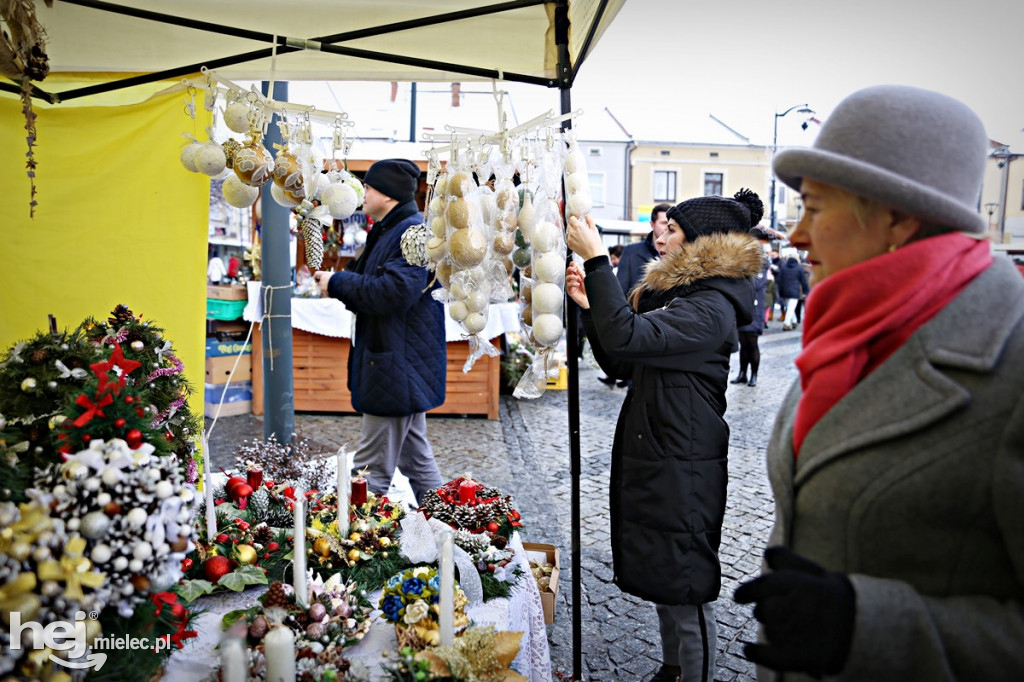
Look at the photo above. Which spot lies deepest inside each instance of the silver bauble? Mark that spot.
(94, 525)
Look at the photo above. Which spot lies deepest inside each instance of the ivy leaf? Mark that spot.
(232, 617)
(191, 589)
(243, 576)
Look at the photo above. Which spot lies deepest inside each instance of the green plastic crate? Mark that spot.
(217, 309)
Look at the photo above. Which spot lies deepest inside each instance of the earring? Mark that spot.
(892, 247)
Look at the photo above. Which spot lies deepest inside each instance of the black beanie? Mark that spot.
(396, 178)
(708, 215)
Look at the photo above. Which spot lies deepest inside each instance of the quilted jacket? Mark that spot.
(398, 360)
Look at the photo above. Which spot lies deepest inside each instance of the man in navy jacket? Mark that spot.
(398, 360)
(636, 256)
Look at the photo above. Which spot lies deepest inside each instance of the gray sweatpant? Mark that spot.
(689, 637)
(390, 442)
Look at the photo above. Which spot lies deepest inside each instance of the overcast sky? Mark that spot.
(664, 65)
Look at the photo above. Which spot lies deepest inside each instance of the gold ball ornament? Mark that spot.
(322, 547)
(436, 249)
(355, 537)
(384, 541)
(457, 214)
(287, 171)
(254, 165)
(284, 197)
(508, 200)
(547, 329)
(438, 227)
(246, 554)
(459, 183)
(467, 247)
(354, 555)
(444, 273)
(504, 243)
(441, 184)
(527, 315)
(437, 206)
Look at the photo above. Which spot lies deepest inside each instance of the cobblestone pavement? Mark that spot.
(526, 453)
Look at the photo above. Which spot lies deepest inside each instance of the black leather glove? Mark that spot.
(807, 615)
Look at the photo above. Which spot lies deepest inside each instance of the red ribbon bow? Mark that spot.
(91, 409)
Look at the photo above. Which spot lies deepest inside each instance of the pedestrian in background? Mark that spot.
(897, 460)
(636, 256)
(750, 351)
(669, 471)
(398, 362)
(790, 284)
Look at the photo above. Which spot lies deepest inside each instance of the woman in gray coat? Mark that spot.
(897, 460)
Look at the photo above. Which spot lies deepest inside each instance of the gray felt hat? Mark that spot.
(914, 150)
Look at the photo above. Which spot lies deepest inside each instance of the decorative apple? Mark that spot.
(240, 494)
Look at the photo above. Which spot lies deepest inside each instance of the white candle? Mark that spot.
(279, 648)
(299, 549)
(234, 663)
(446, 573)
(344, 486)
(211, 512)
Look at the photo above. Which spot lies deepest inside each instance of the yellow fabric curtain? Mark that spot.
(119, 220)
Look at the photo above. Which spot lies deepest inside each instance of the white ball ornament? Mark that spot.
(236, 117)
(476, 301)
(100, 554)
(575, 182)
(112, 477)
(120, 563)
(136, 517)
(92, 484)
(73, 523)
(283, 197)
(188, 156)
(475, 322)
(360, 237)
(349, 239)
(164, 489)
(547, 299)
(549, 267)
(436, 249)
(135, 566)
(103, 499)
(437, 206)
(142, 551)
(210, 159)
(95, 525)
(340, 199)
(573, 163)
(458, 310)
(547, 328)
(545, 237)
(579, 204)
(438, 227)
(237, 193)
(186, 495)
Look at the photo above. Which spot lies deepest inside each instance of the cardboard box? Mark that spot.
(237, 398)
(216, 348)
(234, 330)
(542, 553)
(231, 292)
(219, 369)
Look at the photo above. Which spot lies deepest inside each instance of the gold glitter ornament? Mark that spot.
(253, 164)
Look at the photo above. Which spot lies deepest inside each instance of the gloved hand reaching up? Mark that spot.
(807, 615)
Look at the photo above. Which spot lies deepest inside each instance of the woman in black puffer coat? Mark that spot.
(669, 457)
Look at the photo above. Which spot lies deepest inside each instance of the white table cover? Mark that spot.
(330, 317)
(520, 612)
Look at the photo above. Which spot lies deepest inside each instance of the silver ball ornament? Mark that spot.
(28, 385)
(137, 345)
(95, 525)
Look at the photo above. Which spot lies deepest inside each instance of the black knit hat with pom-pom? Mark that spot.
(709, 215)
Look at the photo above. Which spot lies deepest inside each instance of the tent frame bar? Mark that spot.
(286, 44)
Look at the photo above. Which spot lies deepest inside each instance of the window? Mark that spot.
(664, 185)
(665, 152)
(714, 155)
(596, 188)
(594, 151)
(712, 184)
(1022, 198)
(780, 197)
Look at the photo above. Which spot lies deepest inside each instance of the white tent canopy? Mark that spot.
(399, 40)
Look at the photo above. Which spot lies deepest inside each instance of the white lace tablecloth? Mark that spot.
(330, 317)
(520, 612)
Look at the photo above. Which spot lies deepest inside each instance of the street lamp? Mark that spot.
(800, 109)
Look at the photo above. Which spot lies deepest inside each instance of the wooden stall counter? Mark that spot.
(320, 348)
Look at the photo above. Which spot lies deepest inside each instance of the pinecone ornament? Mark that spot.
(312, 233)
(262, 534)
(414, 245)
(121, 315)
(276, 596)
(39, 356)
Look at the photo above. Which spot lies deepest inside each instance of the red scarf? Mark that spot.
(858, 317)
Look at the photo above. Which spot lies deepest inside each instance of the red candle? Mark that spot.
(254, 477)
(358, 496)
(467, 491)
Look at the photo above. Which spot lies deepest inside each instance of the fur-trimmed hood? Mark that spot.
(732, 255)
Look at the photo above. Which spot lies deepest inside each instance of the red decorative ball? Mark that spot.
(119, 423)
(216, 567)
(86, 438)
(222, 538)
(133, 438)
(129, 399)
(177, 610)
(493, 527)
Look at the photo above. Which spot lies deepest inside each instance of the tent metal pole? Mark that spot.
(565, 74)
(276, 294)
(590, 37)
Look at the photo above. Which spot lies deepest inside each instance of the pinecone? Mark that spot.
(368, 540)
(121, 315)
(262, 534)
(276, 596)
(39, 356)
(312, 233)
